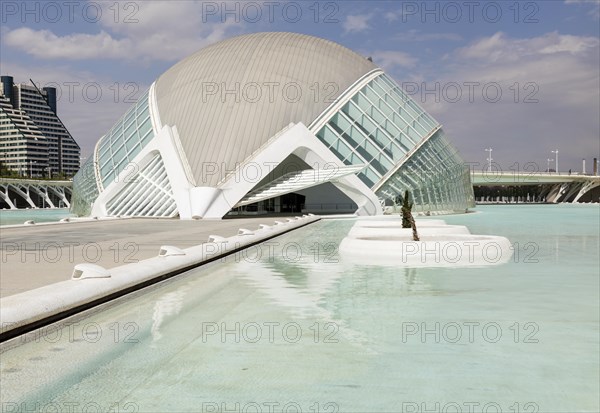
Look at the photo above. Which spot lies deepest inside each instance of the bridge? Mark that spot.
(556, 187)
(32, 193)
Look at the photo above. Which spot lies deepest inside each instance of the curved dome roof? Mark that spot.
(227, 127)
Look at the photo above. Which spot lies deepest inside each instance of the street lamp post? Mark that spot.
(30, 168)
(548, 164)
(556, 160)
(489, 159)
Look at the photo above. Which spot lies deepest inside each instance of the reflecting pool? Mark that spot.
(289, 326)
(18, 216)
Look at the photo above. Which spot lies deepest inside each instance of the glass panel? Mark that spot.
(341, 122)
(129, 117)
(117, 136)
(119, 154)
(147, 138)
(341, 147)
(104, 161)
(143, 113)
(105, 172)
(143, 101)
(437, 182)
(145, 127)
(372, 175)
(327, 136)
(104, 147)
(131, 138)
(366, 180)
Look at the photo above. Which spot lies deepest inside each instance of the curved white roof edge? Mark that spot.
(229, 98)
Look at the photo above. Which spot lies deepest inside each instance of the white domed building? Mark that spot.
(272, 122)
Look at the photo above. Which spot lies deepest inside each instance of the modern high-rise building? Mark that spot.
(272, 122)
(33, 140)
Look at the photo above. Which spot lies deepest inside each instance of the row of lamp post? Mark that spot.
(490, 159)
(48, 168)
(31, 163)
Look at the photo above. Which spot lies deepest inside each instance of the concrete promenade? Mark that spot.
(36, 256)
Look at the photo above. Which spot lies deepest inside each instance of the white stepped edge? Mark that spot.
(385, 242)
(434, 251)
(30, 306)
(397, 223)
(406, 233)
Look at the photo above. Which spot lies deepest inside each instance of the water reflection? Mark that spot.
(333, 292)
(299, 288)
(166, 306)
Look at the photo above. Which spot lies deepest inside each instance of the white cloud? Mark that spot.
(418, 36)
(356, 24)
(45, 44)
(391, 16)
(500, 47)
(560, 72)
(489, 48)
(148, 37)
(594, 11)
(392, 59)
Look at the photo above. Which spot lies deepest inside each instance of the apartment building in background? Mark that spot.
(34, 142)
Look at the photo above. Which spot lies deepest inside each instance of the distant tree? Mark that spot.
(7, 172)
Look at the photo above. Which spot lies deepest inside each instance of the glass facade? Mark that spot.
(436, 177)
(85, 189)
(379, 127)
(115, 151)
(124, 141)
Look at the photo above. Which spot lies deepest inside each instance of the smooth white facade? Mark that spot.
(125, 196)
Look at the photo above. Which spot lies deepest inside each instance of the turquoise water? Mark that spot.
(18, 216)
(297, 329)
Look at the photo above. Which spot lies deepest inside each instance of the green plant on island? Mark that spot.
(408, 220)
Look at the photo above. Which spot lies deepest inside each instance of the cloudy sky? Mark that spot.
(521, 78)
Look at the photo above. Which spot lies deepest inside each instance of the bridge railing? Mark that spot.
(53, 182)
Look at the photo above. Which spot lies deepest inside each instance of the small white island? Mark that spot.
(385, 242)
